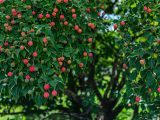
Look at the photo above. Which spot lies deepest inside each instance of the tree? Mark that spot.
(140, 36)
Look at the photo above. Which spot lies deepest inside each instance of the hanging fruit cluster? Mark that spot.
(40, 41)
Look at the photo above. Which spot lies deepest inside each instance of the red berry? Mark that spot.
(59, 1)
(84, 54)
(46, 87)
(35, 54)
(40, 16)
(73, 10)
(30, 43)
(90, 40)
(81, 65)
(149, 10)
(1, 1)
(46, 95)
(12, 22)
(158, 89)
(55, 10)
(48, 16)
(115, 26)
(63, 69)
(122, 23)
(90, 54)
(8, 17)
(65, 1)
(45, 40)
(74, 16)
(52, 24)
(137, 99)
(61, 58)
(54, 14)
(32, 68)
(76, 27)
(54, 93)
(61, 17)
(10, 74)
(6, 44)
(28, 77)
(25, 61)
(65, 23)
(33, 12)
(145, 8)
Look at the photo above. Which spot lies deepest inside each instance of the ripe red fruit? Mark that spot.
(55, 10)
(12, 22)
(122, 23)
(61, 17)
(65, 1)
(30, 43)
(54, 93)
(33, 12)
(84, 54)
(46, 95)
(6, 44)
(125, 66)
(10, 74)
(48, 16)
(142, 62)
(90, 54)
(65, 23)
(1, 1)
(158, 89)
(54, 14)
(25, 61)
(63, 69)
(145, 8)
(52, 24)
(79, 31)
(62, 58)
(40, 16)
(76, 27)
(32, 30)
(60, 63)
(81, 65)
(28, 77)
(8, 17)
(6, 25)
(59, 1)
(137, 99)
(88, 10)
(23, 33)
(89, 39)
(115, 26)
(35, 54)
(45, 40)
(149, 10)
(73, 10)
(32, 68)
(74, 16)
(9, 28)
(46, 87)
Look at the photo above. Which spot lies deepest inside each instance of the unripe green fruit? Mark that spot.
(28, 65)
(6, 51)
(21, 38)
(2, 49)
(20, 73)
(26, 80)
(21, 23)
(30, 17)
(63, 34)
(61, 23)
(36, 68)
(70, 25)
(45, 50)
(32, 79)
(15, 43)
(30, 92)
(42, 61)
(5, 80)
(24, 41)
(13, 64)
(73, 37)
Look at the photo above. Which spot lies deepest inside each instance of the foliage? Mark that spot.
(41, 41)
(139, 30)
